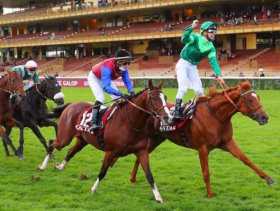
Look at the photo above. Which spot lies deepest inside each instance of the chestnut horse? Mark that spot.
(211, 127)
(125, 133)
(11, 86)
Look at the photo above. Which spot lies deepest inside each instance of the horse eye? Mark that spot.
(249, 100)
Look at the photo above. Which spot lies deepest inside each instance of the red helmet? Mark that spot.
(31, 65)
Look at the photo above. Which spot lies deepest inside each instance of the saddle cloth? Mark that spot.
(187, 110)
(104, 114)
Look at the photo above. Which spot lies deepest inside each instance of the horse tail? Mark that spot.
(58, 111)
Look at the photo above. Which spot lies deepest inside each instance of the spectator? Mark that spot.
(241, 74)
(268, 13)
(255, 20)
(261, 72)
(103, 31)
(255, 74)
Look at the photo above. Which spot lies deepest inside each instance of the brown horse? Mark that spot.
(125, 133)
(211, 127)
(11, 86)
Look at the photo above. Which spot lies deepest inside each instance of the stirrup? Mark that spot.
(94, 127)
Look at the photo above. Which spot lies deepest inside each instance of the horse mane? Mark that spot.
(213, 90)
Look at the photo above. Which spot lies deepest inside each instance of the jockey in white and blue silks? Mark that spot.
(101, 79)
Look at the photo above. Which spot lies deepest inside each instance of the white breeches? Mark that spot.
(96, 88)
(187, 71)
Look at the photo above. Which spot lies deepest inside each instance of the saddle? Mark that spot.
(187, 110)
(104, 114)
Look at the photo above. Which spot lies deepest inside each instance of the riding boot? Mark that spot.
(94, 126)
(177, 113)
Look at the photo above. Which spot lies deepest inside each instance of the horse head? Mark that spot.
(249, 104)
(15, 85)
(50, 89)
(156, 103)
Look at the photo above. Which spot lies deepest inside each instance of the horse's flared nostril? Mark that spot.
(263, 119)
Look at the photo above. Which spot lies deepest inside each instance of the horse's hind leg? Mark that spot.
(203, 156)
(2, 134)
(233, 148)
(80, 144)
(143, 157)
(63, 138)
(109, 158)
(134, 171)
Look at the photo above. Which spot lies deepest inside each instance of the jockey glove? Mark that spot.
(131, 94)
(124, 96)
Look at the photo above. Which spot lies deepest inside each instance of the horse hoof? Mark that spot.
(160, 201)
(40, 168)
(132, 180)
(57, 166)
(271, 181)
(21, 157)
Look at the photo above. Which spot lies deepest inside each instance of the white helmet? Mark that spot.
(31, 65)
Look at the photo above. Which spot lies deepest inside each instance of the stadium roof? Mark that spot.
(25, 3)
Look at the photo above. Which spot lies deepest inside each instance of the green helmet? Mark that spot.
(207, 25)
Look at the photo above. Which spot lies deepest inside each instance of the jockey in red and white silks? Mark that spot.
(101, 78)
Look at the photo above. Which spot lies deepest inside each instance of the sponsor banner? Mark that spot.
(83, 82)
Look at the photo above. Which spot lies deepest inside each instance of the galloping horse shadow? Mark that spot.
(32, 111)
(10, 86)
(125, 132)
(211, 127)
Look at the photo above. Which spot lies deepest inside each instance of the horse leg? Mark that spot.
(21, 141)
(48, 122)
(108, 159)
(63, 139)
(8, 140)
(2, 134)
(143, 157)
(134, 172)
(154, 141)
(80, 144)
(37, 132)
(203, 156)
(233, 148)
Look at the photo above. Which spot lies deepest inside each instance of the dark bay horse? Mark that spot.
(211, 128)
(10, 86)
(125, 133)
(33, 112)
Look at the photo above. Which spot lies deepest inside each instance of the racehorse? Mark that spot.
(211, 127)
(125, 132)
(32, 111)
(10, 86)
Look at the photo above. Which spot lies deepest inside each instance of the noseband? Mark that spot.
(251, 113)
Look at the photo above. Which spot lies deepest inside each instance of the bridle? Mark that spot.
(251, 113)
(44, 97)
(154, 112)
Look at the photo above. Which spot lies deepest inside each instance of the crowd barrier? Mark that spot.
(256, 82)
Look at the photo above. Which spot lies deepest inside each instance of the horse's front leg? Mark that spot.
(32, 125)
(2, 134)
(143, 157)
(80, 144)
(233, 148)
(108, 159)
(20, 125)
(203, 156)
(48, 122)
(8, 126)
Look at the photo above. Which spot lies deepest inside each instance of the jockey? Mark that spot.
(197, 46)
(28, 73)
(101, 76)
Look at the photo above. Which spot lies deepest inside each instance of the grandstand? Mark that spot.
(69, 36)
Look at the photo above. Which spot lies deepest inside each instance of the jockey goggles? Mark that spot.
(212, 30)
(123, 63)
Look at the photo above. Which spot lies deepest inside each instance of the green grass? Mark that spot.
(176, 171)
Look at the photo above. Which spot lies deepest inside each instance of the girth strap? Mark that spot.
(183, 138)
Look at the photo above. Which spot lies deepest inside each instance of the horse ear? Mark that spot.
(151, 86)
(160, 84)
